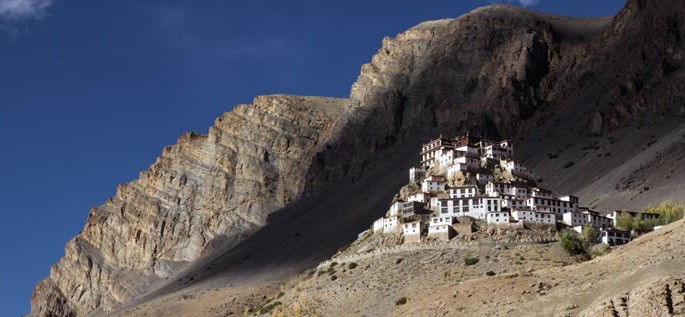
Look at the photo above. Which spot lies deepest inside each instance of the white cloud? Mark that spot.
(527, 3)
(15, 10)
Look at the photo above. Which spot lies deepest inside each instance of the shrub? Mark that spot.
(590, 234)
(568, 164)
(490, 273)
(333, 278)
(571, 243)
(401, 301)
(470, 261)
(352, 265)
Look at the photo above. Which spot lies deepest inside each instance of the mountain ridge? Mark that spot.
(498, 71)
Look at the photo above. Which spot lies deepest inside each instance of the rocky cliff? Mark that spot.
(562, 87)
(205, 191)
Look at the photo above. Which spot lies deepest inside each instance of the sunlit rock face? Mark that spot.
(205, 191)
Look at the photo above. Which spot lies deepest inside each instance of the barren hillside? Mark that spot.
(643, 278)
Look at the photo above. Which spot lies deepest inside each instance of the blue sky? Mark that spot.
(91, 91)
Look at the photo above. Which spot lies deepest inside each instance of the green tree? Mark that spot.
(668, 212)
(571, 243)
(625, 222)
(590, 234)
(642, 226)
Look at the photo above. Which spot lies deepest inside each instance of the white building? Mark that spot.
(471, 162)
(493, 189)
(534, 216)
(541, 193)
(387, 225)
(514, 167)
(405, 209)
(448, 157)
(412, 231)
(586, 216)
(512, 203)
(543, 201)
(433, 184)
(455, 168)
(378, 225)
(575, 219)
(614, 237)
(440, 228)
(498, 217)
(469, 150)
(416, 174)
(639, 215)
(464, 191)
(598, 220)
(497, 151)
(434, 204)
(420, 197)
(476, 207)
(430, 150)
(391, 225)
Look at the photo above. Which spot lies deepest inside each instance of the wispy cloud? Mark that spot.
(527, 3)
(18, 10)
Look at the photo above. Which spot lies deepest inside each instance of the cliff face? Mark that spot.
(488, 72)
(552, 83)
(202, 192)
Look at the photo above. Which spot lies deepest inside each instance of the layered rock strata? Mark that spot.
(205, 191)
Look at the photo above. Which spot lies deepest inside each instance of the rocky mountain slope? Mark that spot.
(605, 94)
(204, 192)
(643, 278)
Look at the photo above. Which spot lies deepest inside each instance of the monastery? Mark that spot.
(480, 179)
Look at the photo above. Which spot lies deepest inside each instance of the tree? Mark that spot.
(642, 226)
(668, 212)
(590, 234)
(625, 222)
(571, 243)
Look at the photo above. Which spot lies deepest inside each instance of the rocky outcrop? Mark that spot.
(205, 191)
(499, 71)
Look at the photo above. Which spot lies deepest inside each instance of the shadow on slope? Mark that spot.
(304, 233)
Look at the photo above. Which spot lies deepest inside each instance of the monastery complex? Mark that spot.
(466, 178)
